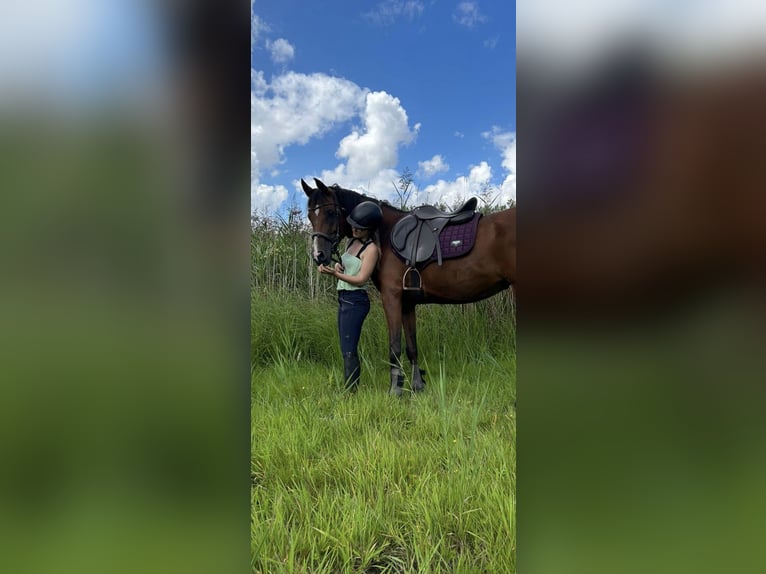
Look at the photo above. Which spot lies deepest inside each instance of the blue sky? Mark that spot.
(354, 92)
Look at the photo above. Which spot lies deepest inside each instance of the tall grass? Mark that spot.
(368, 482)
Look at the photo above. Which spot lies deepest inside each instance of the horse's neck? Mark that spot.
(350, 199)
(390, 217)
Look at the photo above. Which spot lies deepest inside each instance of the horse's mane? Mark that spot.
(349, 199)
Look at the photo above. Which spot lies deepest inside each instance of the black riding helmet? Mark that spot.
(366, 215)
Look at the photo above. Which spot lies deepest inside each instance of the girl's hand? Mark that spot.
(338, 268)
(327, 270)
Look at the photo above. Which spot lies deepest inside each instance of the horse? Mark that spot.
(487, 269)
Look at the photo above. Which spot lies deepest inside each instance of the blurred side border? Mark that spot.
(125, 287)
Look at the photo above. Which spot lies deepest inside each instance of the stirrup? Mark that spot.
(418, 283)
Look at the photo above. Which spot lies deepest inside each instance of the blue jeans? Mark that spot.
(353, 307)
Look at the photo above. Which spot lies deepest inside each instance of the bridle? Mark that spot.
(335, 238)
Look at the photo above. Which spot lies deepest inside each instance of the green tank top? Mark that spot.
(351, 266)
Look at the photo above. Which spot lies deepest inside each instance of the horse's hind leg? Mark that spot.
(411, 342)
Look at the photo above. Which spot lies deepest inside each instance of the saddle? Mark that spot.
(429, 234)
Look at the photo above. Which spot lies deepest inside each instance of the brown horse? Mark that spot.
(487, 269)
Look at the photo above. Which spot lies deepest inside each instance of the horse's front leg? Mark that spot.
(411, 342)
(392, 306)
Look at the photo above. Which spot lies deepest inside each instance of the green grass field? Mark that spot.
(372, 483)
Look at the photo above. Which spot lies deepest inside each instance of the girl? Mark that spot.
(358, 263)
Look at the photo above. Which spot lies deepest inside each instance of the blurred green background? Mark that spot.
(124, 289)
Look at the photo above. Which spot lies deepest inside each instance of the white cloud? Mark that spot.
(291, 110)
(508, 189)
(451, 193)
(295, 108)
(371, 151)
(375, 147)
(505, 142)
(432, 166)
(480, 177)
(257, 27)
(389, 11)
(381, 185)
(266, 199)
(491, 43)
(258, 84)
(467, 14)
(281, 51)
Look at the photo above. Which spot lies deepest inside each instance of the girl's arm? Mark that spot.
(369, 259)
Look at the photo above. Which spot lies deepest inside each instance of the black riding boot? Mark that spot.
(351, 371)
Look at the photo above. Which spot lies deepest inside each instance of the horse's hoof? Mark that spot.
(419, 387)
(396, 391)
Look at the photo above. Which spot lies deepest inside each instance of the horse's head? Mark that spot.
(328, 221)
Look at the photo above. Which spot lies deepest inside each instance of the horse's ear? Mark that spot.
(321, 185)
(306, 189)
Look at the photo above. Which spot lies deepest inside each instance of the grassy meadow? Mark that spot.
(367, 482)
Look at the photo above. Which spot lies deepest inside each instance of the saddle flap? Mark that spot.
(413, 241)
(425, 247)
(401, 230)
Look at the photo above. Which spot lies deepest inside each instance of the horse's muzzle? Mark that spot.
(321, 258)
(324, 246)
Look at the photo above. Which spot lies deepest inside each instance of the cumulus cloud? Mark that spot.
(258, 84)
(508, 189)
(291, 110)
(381, 186)
(389, 11)
(295, 108)
(467, 14)
(281, 51)
(479, 181)
(375, 147)
(266, 199)
(451, 193)
(432, 166)
(505, 142)
(371, 150)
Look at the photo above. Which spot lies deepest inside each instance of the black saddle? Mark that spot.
(415, 237)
